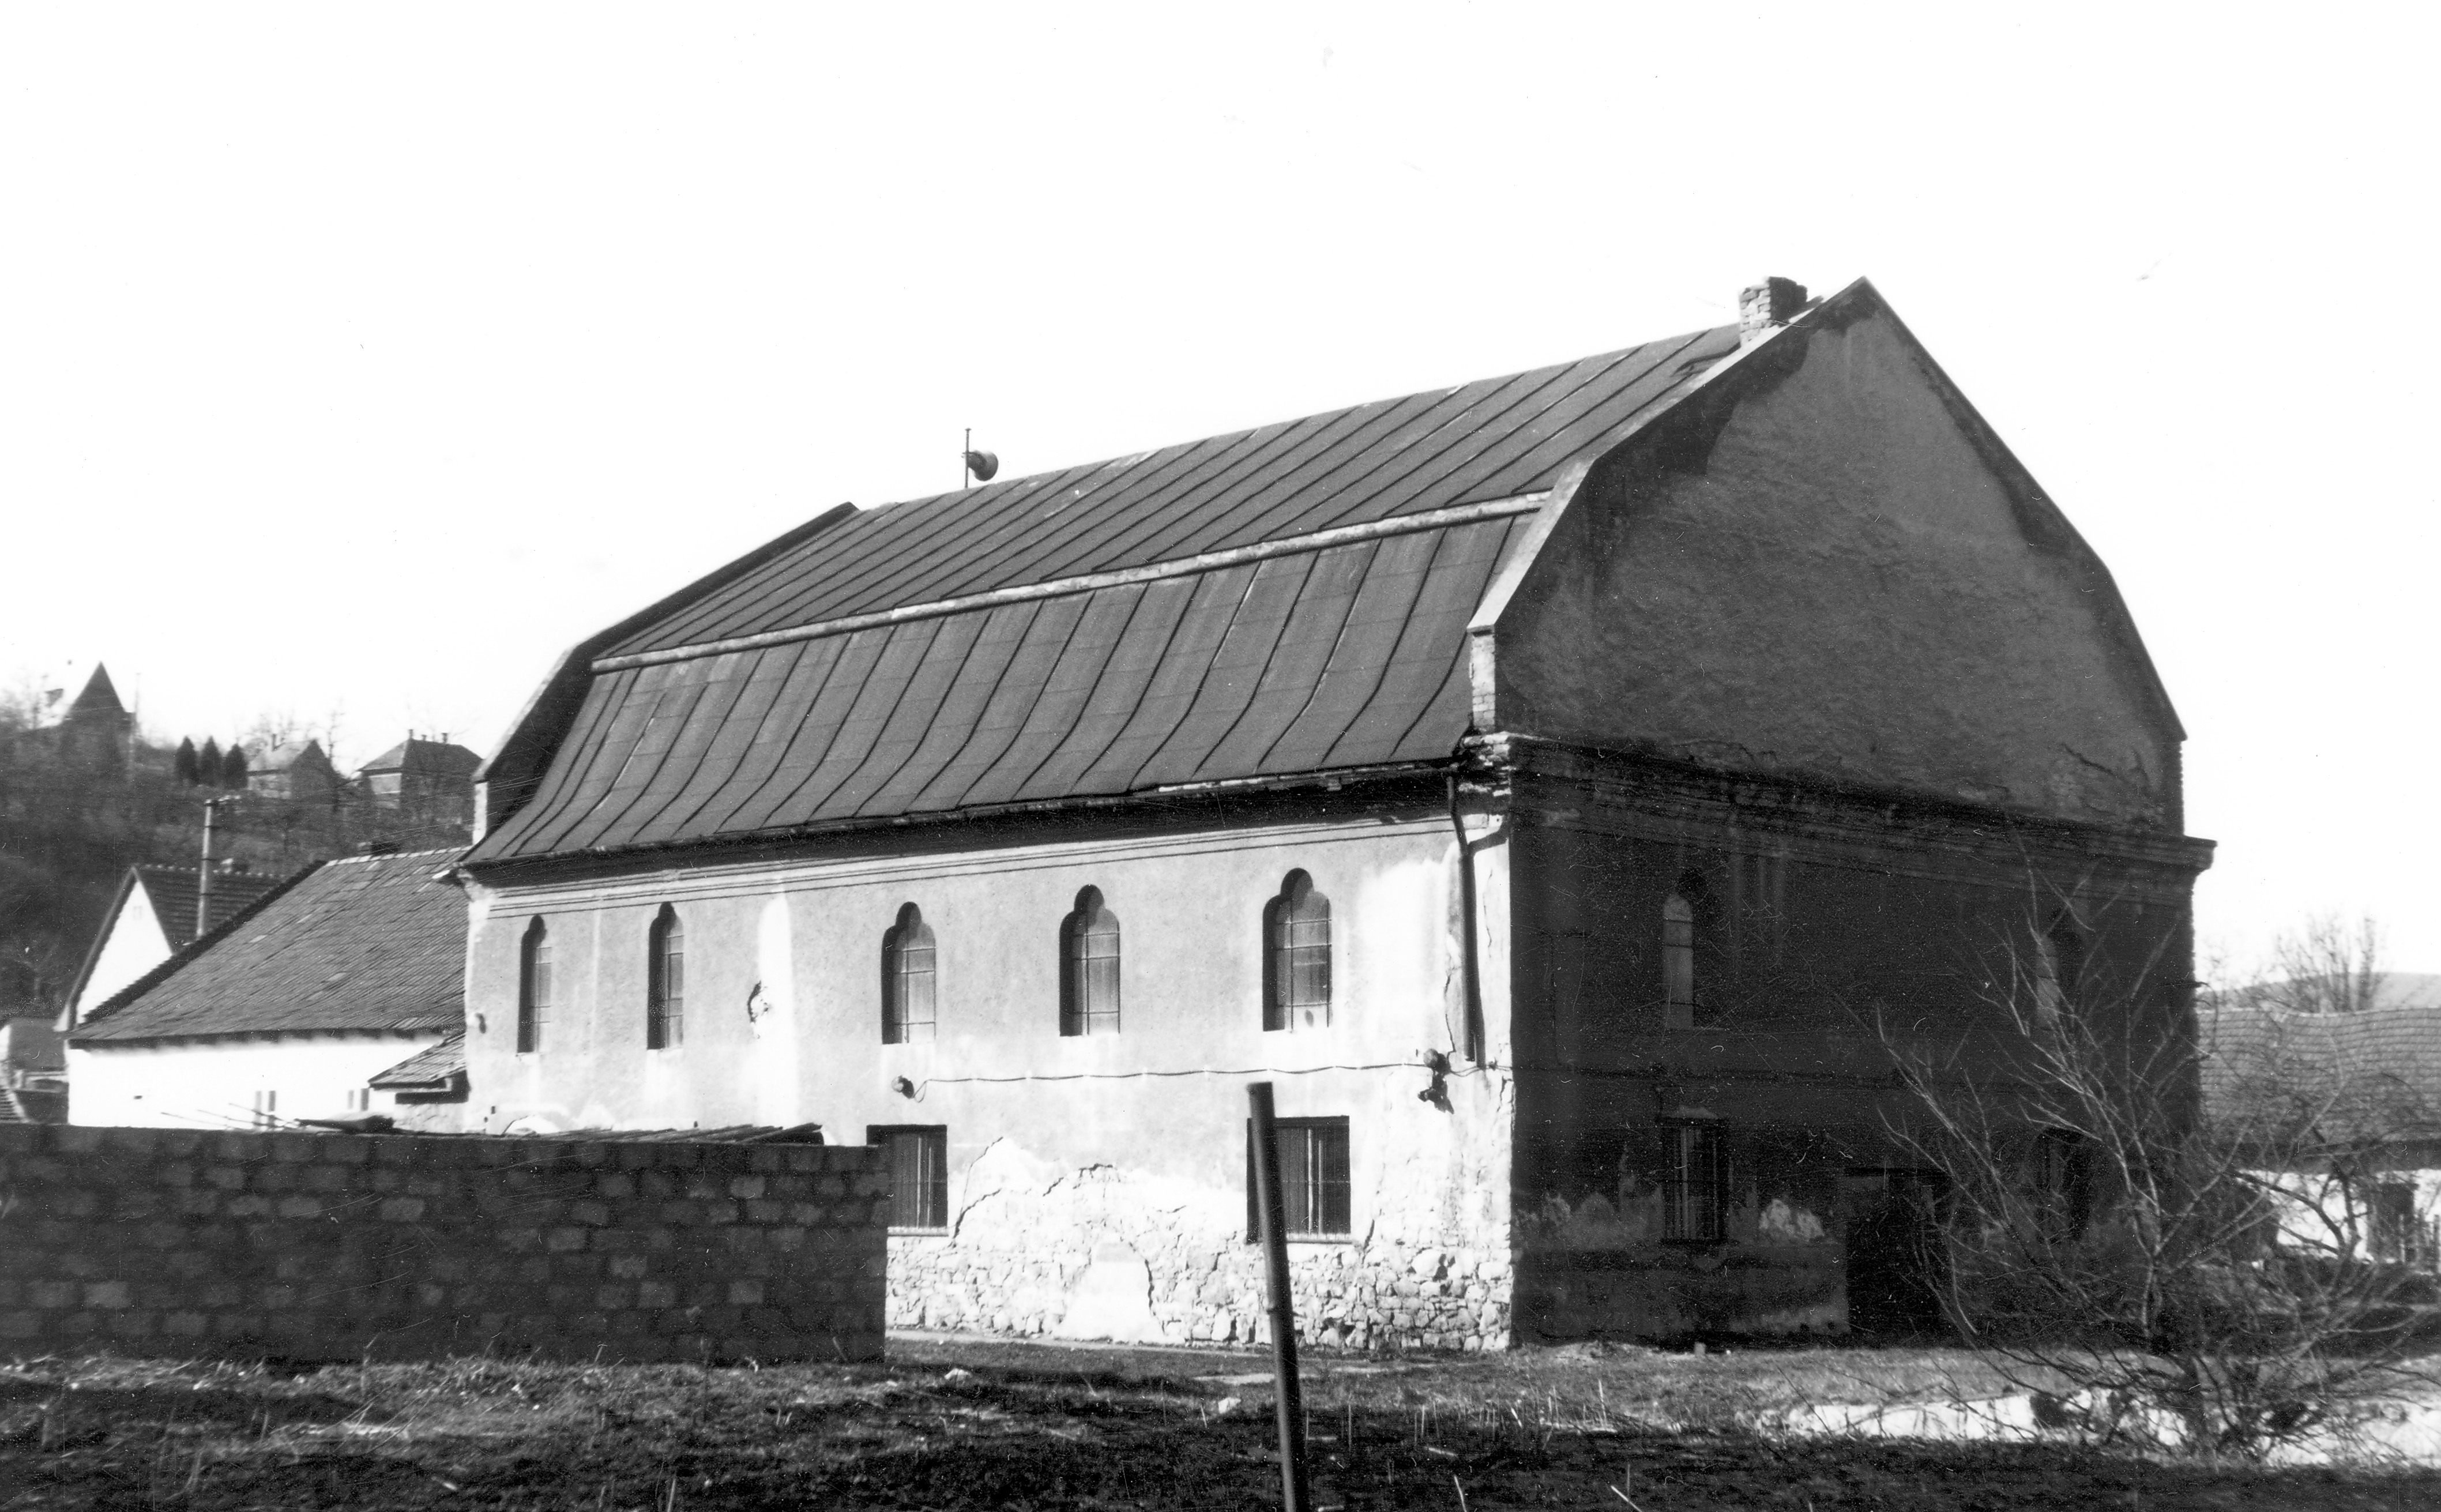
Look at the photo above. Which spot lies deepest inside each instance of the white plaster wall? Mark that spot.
(211, 1084)
(135, 946)
(1129, 1148)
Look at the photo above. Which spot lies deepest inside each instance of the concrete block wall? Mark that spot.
(331, 1247)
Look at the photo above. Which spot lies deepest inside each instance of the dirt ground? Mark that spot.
(954, 1423)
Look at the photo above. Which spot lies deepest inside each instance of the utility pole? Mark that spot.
(203, 874)
(1288, 1392)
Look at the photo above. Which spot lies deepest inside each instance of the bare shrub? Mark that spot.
(2201, 1274)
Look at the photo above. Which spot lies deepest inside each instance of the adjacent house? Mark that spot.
(292, 1008)
(153, 916)
(2368, 1082)
(1548, 783)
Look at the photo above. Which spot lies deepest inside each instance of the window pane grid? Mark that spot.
(919, 1176)
(908, 981)
(1314, 1188)
(1296, 943)
(534, 990)
(1692, 1194)
(1089, 974)
(665, 996)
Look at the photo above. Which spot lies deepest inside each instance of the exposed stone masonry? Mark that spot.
(318, 1247)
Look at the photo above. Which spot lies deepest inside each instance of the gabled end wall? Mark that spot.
(1822, 564)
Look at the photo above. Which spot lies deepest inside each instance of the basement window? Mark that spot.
(1694, 1185)
(1313, 1180)
(919, 1174)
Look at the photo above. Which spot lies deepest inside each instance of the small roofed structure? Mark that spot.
(297, 769)
(289, 1010)
(431, 778)
(2366, 1083)
(150, 919)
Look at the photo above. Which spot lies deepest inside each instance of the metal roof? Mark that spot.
(1285, 600)
(361, 942)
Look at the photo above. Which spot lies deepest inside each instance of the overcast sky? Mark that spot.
(355, 362)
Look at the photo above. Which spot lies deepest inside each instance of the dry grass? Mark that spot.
(1022, 1426)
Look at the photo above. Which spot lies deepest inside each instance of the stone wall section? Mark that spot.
(329, 1247)
(1104, 1254)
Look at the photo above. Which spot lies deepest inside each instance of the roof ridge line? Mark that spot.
(1086, 582)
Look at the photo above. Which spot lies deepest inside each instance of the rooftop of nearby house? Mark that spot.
(281, 758)
(98, 701)
(363, 943)
(438, 1068)
(2393, 1041)
(171, 890)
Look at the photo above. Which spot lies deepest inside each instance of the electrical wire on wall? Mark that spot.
(1436, 1063)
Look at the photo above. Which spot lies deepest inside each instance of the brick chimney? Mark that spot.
(1766, 307)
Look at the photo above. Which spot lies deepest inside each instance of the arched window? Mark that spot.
(2059, 964)
(665, 982)
(1687, 917)
(907, 978)
(1089, 967)
(1296, 957)
(534, 987)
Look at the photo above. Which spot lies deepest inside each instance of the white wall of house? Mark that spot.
(214, 1084)
(1097, 1184)
(134, 944)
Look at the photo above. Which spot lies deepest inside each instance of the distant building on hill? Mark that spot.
(97, 724)
(153, 918)
(433, 780)
(296, 769)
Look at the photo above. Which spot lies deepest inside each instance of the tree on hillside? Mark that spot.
(183, 765)
(2186, 1269)
(2328, 967)
(233, 767)
(208, 763)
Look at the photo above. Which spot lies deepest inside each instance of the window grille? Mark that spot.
(1692, 1190)
(1313, 1178)
(534, 988)
(1296, 952)
(1089, 968)
(907, 980)
(360, 1099)
(665, 985)
(919, 1174)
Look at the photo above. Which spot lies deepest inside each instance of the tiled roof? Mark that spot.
(2390, 1051)
(281, 758)
(436, 1068)
(1279, 601)
(173, 892)
(362, 943)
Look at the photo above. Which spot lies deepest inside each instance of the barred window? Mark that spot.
(919, 1173)
(1296, 957)
(1691, 950)
(1313, 1178)
(534, 988)
(907, 979)
(1089, 967)
(1693, 1186)
(665, 985)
